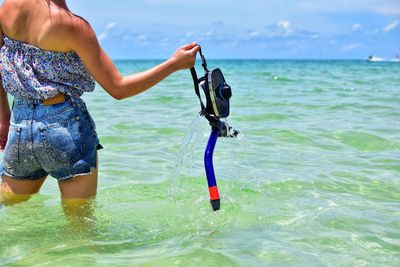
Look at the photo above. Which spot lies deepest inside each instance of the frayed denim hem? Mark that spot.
(69, 177)
(33, 178)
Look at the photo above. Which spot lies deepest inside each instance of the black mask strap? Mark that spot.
(196, 81)
(203, 61)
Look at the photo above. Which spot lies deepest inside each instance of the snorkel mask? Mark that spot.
(217, 94)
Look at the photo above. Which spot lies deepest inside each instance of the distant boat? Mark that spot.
(374, 59)
(379, 59)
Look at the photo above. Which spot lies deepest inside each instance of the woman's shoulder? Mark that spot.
(51, 28)
(73, 29)
(62, 31)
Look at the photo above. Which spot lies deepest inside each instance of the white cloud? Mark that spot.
(254, 34)
(284, 24)
(391, 26)
(356, 26)
(138, 39)
(104, 34)
(284, 28)
(110, 25)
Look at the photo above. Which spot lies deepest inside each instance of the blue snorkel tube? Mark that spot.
(208, 164)
(217, 93)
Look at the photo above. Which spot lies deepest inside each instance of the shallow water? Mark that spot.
(313, 179)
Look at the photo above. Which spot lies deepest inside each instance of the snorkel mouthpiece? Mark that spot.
(224, 130)
(217, 93)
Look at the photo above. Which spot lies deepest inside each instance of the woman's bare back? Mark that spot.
(39, 22)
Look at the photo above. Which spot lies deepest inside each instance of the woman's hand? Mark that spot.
(4, 126)
(185, 56)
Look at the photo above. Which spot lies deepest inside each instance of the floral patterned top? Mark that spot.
(31, 72)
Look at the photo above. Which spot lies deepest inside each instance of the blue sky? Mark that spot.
(246, 29)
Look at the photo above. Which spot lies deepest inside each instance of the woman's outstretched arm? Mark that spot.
(84, 42)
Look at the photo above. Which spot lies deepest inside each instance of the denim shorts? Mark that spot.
(58, 140)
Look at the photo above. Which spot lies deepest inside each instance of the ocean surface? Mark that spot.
(312, 180)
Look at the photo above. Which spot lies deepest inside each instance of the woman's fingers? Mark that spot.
(195, 49)
(185, 56)
(189, 46)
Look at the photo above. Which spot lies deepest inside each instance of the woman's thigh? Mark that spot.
(80, 187)
(14, 191)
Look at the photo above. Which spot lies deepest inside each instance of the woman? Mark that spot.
(48, 58)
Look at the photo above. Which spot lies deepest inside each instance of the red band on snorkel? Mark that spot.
(213, 192)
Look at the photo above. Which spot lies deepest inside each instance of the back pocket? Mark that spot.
(63, 142)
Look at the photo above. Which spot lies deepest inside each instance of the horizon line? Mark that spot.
(282, 59)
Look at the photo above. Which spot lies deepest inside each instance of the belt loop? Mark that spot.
(71, 100)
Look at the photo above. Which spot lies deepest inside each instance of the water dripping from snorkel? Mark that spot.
(189, 143)
(187, 152)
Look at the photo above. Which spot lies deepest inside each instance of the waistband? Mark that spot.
(57, 99)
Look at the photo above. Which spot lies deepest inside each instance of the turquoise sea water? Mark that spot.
(313, 180)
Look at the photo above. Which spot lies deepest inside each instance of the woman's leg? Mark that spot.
(80, 187)
(77, 195)
(13, 191)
